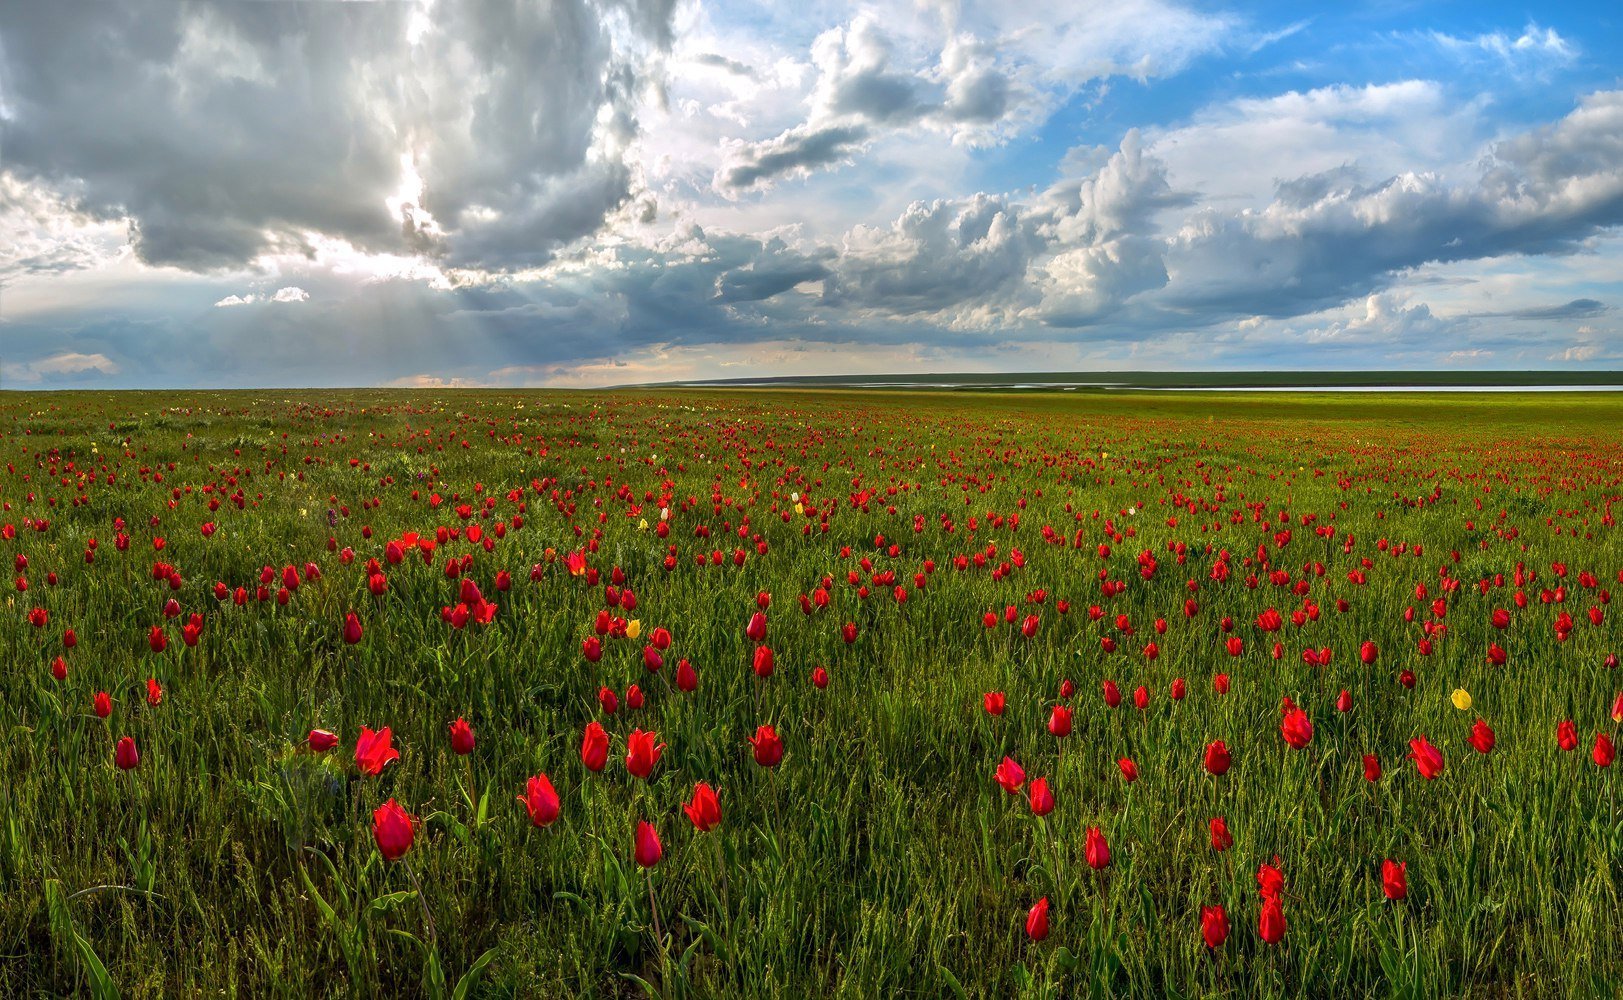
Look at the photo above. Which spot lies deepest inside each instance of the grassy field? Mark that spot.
(1249, 562)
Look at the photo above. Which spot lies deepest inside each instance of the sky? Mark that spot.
(599, 192)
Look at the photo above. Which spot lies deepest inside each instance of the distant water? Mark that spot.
(1070, 386)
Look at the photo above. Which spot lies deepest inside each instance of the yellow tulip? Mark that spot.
(633, 628)
(1461, 699)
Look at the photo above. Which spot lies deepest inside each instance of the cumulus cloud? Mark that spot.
(289, 293)
(226, 131)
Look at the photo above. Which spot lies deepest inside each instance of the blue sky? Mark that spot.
(593, 192)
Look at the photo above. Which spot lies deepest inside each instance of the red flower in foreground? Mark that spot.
(642, 753)
(1428, 760)
(373, 750)
(1566, 735)
(594, 746)
(768, 746)
(540, 800)
(1214, 926)
(1040, 798)
(1297, 728)
(1037, 920)
(1010, 775)
(392, 829)
(125, 755)
(352, 629)
(704, 808)
(1271, 922)
(1217, 758)
(1604, 752)
(1395, 878)
(994, 702)
(1096, 850)
(1372, 767)
(461, 737)
(647, 850)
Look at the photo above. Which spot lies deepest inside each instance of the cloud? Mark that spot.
(223, 132)
(795, 153)
(1575, 309)
(59, 365)
(290, 293)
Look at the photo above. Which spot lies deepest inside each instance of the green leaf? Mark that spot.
(471, 977)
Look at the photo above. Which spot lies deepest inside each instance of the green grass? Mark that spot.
(880, 858)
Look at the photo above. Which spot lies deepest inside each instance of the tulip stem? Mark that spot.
(653, 908)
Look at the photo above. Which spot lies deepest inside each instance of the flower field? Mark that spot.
(791, 694)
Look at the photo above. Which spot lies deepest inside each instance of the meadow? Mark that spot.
(354, 693)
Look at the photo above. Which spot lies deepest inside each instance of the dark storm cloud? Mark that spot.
(225, 130)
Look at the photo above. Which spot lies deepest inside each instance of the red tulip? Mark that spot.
(1372, 767)
(352, 629)
(1395, 878)
(1604, 752)
(461, 737)
(59, 669)
(1217, 758)
(1179, 689)
(103, 704)
(819, 677)
(1617, 708)
(320, 740)
(154, 692)
(1220, 683)
(1037, 920)
(647, 850)
(1040, 798)
(1010, 775)
(1344, 701)
(156, 640)
(642, 753)
(1129, 770)
(1481, 737)
(686, 677)
(540, 801)
(1112, 694)
(704, 808)
(592, 648)
(1096, 850)
(768, 747)
(392, 829)
(1222, 840)
(373, 750)
(1059, 721)
(1428, 760)
(1214, 926)
(1270, 880)
(1367, 653)
(755, 631)
(764, 662)
(994, 702)
(1271, 923)
(1297, 728)
(125, 755)
(1566, 735)
(594, 747)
